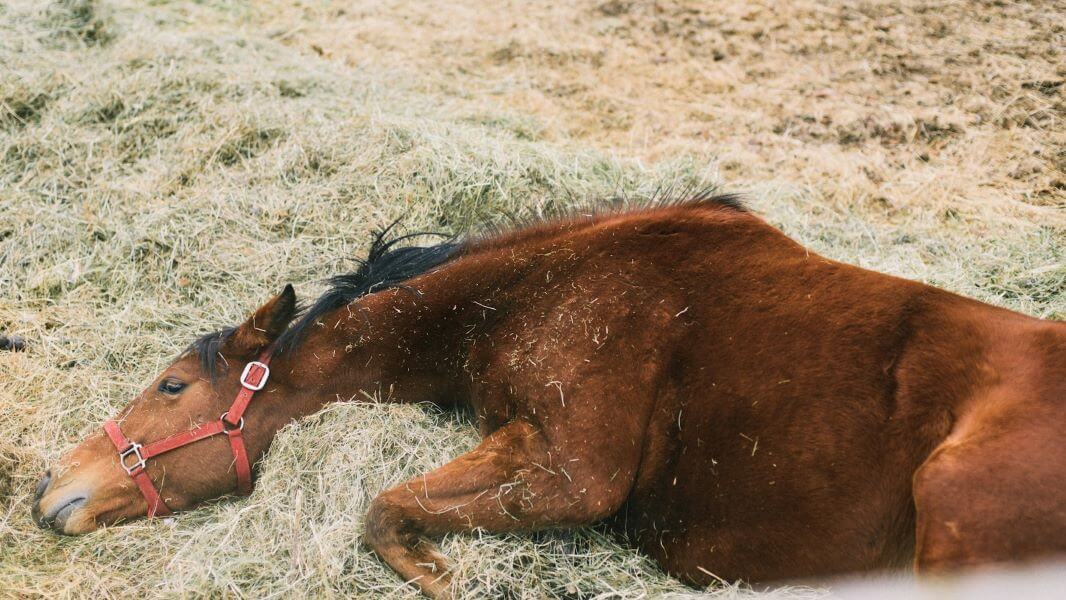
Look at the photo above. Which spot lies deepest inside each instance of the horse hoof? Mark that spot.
(13, 343)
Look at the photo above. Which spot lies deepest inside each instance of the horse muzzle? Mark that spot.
(54, 508)
(80, 494)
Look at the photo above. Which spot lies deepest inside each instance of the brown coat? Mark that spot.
(739, 406)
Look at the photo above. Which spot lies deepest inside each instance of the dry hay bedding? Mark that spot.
(163, 170)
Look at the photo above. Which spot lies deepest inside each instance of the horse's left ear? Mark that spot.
(267, 323)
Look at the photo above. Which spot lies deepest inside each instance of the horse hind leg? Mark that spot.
(994, 492)
(507, 483)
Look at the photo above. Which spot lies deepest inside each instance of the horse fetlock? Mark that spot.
(396, 539)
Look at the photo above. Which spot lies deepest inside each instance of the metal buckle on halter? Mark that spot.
(135, 450)
(238, 426)
(262, 380)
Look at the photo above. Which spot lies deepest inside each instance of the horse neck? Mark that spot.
(392, 346)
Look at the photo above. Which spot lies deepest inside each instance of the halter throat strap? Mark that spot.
(133, 456)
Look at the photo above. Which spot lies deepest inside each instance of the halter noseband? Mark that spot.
(132, 456)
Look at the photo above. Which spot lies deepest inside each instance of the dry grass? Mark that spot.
(165, 168)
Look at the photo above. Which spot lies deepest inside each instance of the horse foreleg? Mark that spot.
(506, 483)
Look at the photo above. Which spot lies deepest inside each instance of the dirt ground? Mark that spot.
(890, 104)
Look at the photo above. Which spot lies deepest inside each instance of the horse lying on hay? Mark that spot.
(732, 402)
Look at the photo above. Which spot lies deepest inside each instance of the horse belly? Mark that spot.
(735, 497)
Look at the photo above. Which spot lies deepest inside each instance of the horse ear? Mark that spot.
(267, 323)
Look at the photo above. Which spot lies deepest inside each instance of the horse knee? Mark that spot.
(940, 545)
(941, 531)
(384, 524)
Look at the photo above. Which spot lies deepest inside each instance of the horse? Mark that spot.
(732, 404)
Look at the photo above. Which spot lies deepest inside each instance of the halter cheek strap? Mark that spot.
(132, 456)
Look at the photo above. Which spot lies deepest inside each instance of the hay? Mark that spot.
(164, 169)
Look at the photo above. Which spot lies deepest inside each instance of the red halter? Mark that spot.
(132, 455)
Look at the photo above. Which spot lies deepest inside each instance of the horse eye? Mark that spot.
(171, 386)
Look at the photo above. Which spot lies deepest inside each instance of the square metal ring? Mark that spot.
(262, 380)
(133, 450)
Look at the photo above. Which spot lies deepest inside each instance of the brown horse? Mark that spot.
(737, 405)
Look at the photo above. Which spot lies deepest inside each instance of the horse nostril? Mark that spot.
(42, 485)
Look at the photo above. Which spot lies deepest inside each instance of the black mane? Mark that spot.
(387, 266)
(696, 194)
(208, 347)
(384, 267)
